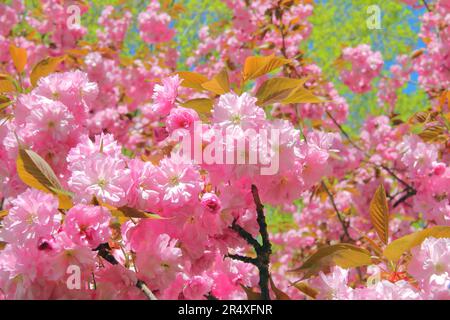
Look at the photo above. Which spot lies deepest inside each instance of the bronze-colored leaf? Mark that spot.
(201, 105)
(4, 102)
(45, 67)
(19, 57)
(302, 95)
(129, 212)
(280, 295)
(344, 255)
(192, 80)
(36, 173)
(432, 133)
(306, 289)
(7, 84)
(379, 214)
(396, 248)
(3, 214)
(251, 295)
(276, 89)
(220, 84)
(255, 67)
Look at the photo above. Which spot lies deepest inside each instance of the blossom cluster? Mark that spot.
(100, 192)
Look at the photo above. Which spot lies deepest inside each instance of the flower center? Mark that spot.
(439, 267)
(102, 183)
(236, 119)
(174, 181)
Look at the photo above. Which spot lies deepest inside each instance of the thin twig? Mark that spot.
(338, 213)
(410, 188)
(104, 252)
(409, 193)
(426, 5)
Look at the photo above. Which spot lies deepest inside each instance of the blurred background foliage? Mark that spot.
(336, 24)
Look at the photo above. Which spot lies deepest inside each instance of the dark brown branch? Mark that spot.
(210, 296)
(242, 258)
(261, 219)
(409, 193)
(245, 235)
(104, 251)
(425, 3)
(263, 251)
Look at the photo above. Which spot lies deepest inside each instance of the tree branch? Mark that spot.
(425, 3)
(263, 251)
(409, 193)
(104, 252)
(242, 258)
(410, 189)
(245, 234)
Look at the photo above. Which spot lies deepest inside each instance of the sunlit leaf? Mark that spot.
(432, 133)
(220, 84)
(302, 95)
(7, 84)
(36, 173)
(129, 212)
(306, 289)
(379, 214)
(251, 295)
(3, 214)
(343, 254)
(280, 295)
(19, 57)
(45, 67)
(192, 80)
(276, 89)
(445, 97)
(201, 105)
(4, 102)
(255, 67)
(396, 248)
